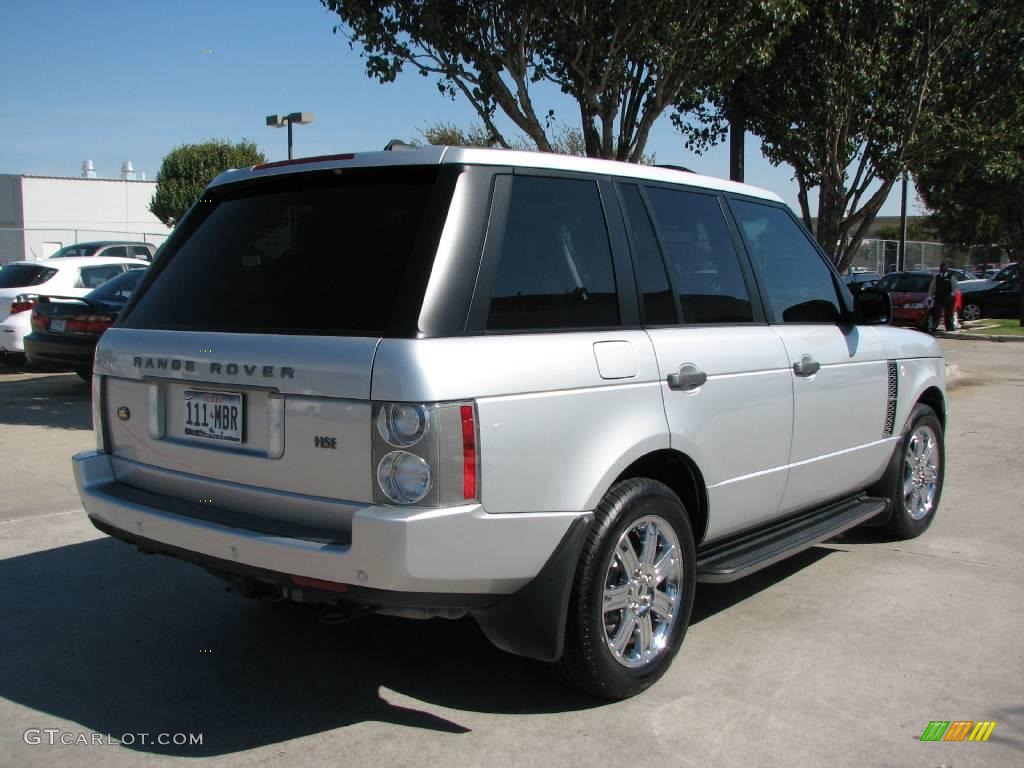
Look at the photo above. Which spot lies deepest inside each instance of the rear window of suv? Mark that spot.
(330, 253)
(24, 275)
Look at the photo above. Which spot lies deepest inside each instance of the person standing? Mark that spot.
(942, 293)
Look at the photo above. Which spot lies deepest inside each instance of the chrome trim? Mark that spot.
(155, 409)
(275, 425)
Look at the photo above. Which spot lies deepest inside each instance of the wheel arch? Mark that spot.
(680, 473)
(934, 399)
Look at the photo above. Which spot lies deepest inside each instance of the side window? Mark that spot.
(658, 304)
(94, 277)
(555, 266)
(116, 250)
(797, 283)
(702, 260)
(141, 251)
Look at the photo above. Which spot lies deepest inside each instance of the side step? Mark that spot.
(741, 555)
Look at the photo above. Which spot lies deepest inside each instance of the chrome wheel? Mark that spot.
(642, 589)
(971, 312)
(921, 472)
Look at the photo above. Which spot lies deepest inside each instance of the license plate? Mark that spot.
(58, 325)
(214, 415)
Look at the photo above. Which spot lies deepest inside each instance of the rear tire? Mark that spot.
(917, 487)
(633, 592)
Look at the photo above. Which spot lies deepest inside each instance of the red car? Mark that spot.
(910, 305)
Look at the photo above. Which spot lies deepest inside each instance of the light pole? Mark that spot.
(279, 121)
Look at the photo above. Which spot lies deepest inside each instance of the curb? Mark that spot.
(976, 336)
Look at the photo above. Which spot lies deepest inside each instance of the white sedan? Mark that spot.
(22, 282)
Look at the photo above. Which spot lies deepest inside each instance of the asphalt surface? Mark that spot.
(838, 657)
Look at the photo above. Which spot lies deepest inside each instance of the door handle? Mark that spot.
(807, 366)
(688, 378)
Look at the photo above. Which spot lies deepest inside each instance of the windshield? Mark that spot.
(326, 253)
(76, 250)
(120, 288)
(24, 275)
(905, 283)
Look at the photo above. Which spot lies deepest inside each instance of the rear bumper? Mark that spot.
(13, 333)
(454, 551)
(914, 317)
(64, 354)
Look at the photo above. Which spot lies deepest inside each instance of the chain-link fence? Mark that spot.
(881, 256)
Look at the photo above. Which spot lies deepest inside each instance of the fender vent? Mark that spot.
(890, 406)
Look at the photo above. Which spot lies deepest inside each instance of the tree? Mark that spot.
(187, 170)
(973, 182)
(564, 140)
(845, 102)
(623, 62)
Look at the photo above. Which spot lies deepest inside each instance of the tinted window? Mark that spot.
(24, 275)
(76, 250)
(94, 277)
(555, 266)
(797, 282)
(141, 250)
(701, 258)
(119, 288)
(658, 305)
(118, 251)
(305, 253)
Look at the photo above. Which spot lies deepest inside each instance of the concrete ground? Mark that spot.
(838, 657)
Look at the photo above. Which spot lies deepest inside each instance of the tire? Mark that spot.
(956, 320)
(917, 486)
(971, 311)
(929, 324)
(85, 374)
(656, 605)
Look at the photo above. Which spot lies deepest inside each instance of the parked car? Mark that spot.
(857, 281)
(1002, 300)
(910, 302)
(65, 329)
(556, 395)
(21, 282)
(996, 277)
(121, 249)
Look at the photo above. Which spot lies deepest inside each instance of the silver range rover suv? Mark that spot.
(551, 393)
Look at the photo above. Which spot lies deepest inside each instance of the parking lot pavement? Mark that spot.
(839, 657)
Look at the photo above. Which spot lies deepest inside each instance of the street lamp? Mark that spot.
(279, 121)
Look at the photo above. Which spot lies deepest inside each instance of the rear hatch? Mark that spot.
(242, 365)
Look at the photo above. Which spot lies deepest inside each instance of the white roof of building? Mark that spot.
(440, 155)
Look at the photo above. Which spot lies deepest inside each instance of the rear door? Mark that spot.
(724, 372)
(245, 356)
(839, 372)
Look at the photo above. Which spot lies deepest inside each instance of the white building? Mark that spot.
(40, 214)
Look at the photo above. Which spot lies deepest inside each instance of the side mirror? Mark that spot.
(872, 307)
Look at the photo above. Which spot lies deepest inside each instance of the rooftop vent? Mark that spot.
(88, 170)
(127, 171)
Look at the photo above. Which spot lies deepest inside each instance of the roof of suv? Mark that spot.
(443, 155)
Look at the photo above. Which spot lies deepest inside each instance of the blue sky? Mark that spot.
(118, 80)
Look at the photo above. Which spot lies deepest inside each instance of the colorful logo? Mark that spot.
(958, 730)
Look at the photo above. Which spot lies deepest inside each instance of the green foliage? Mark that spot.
(848, 101)
(187, 170)
(624, 63)
(973, 180)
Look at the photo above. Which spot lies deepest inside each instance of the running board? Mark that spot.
(741, 555)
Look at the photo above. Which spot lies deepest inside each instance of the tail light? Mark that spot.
(89, 324)
(40, 322)
(425, 453)
(23, 302)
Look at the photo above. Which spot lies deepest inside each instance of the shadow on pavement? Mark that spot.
(124, 643)
(60, 400)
